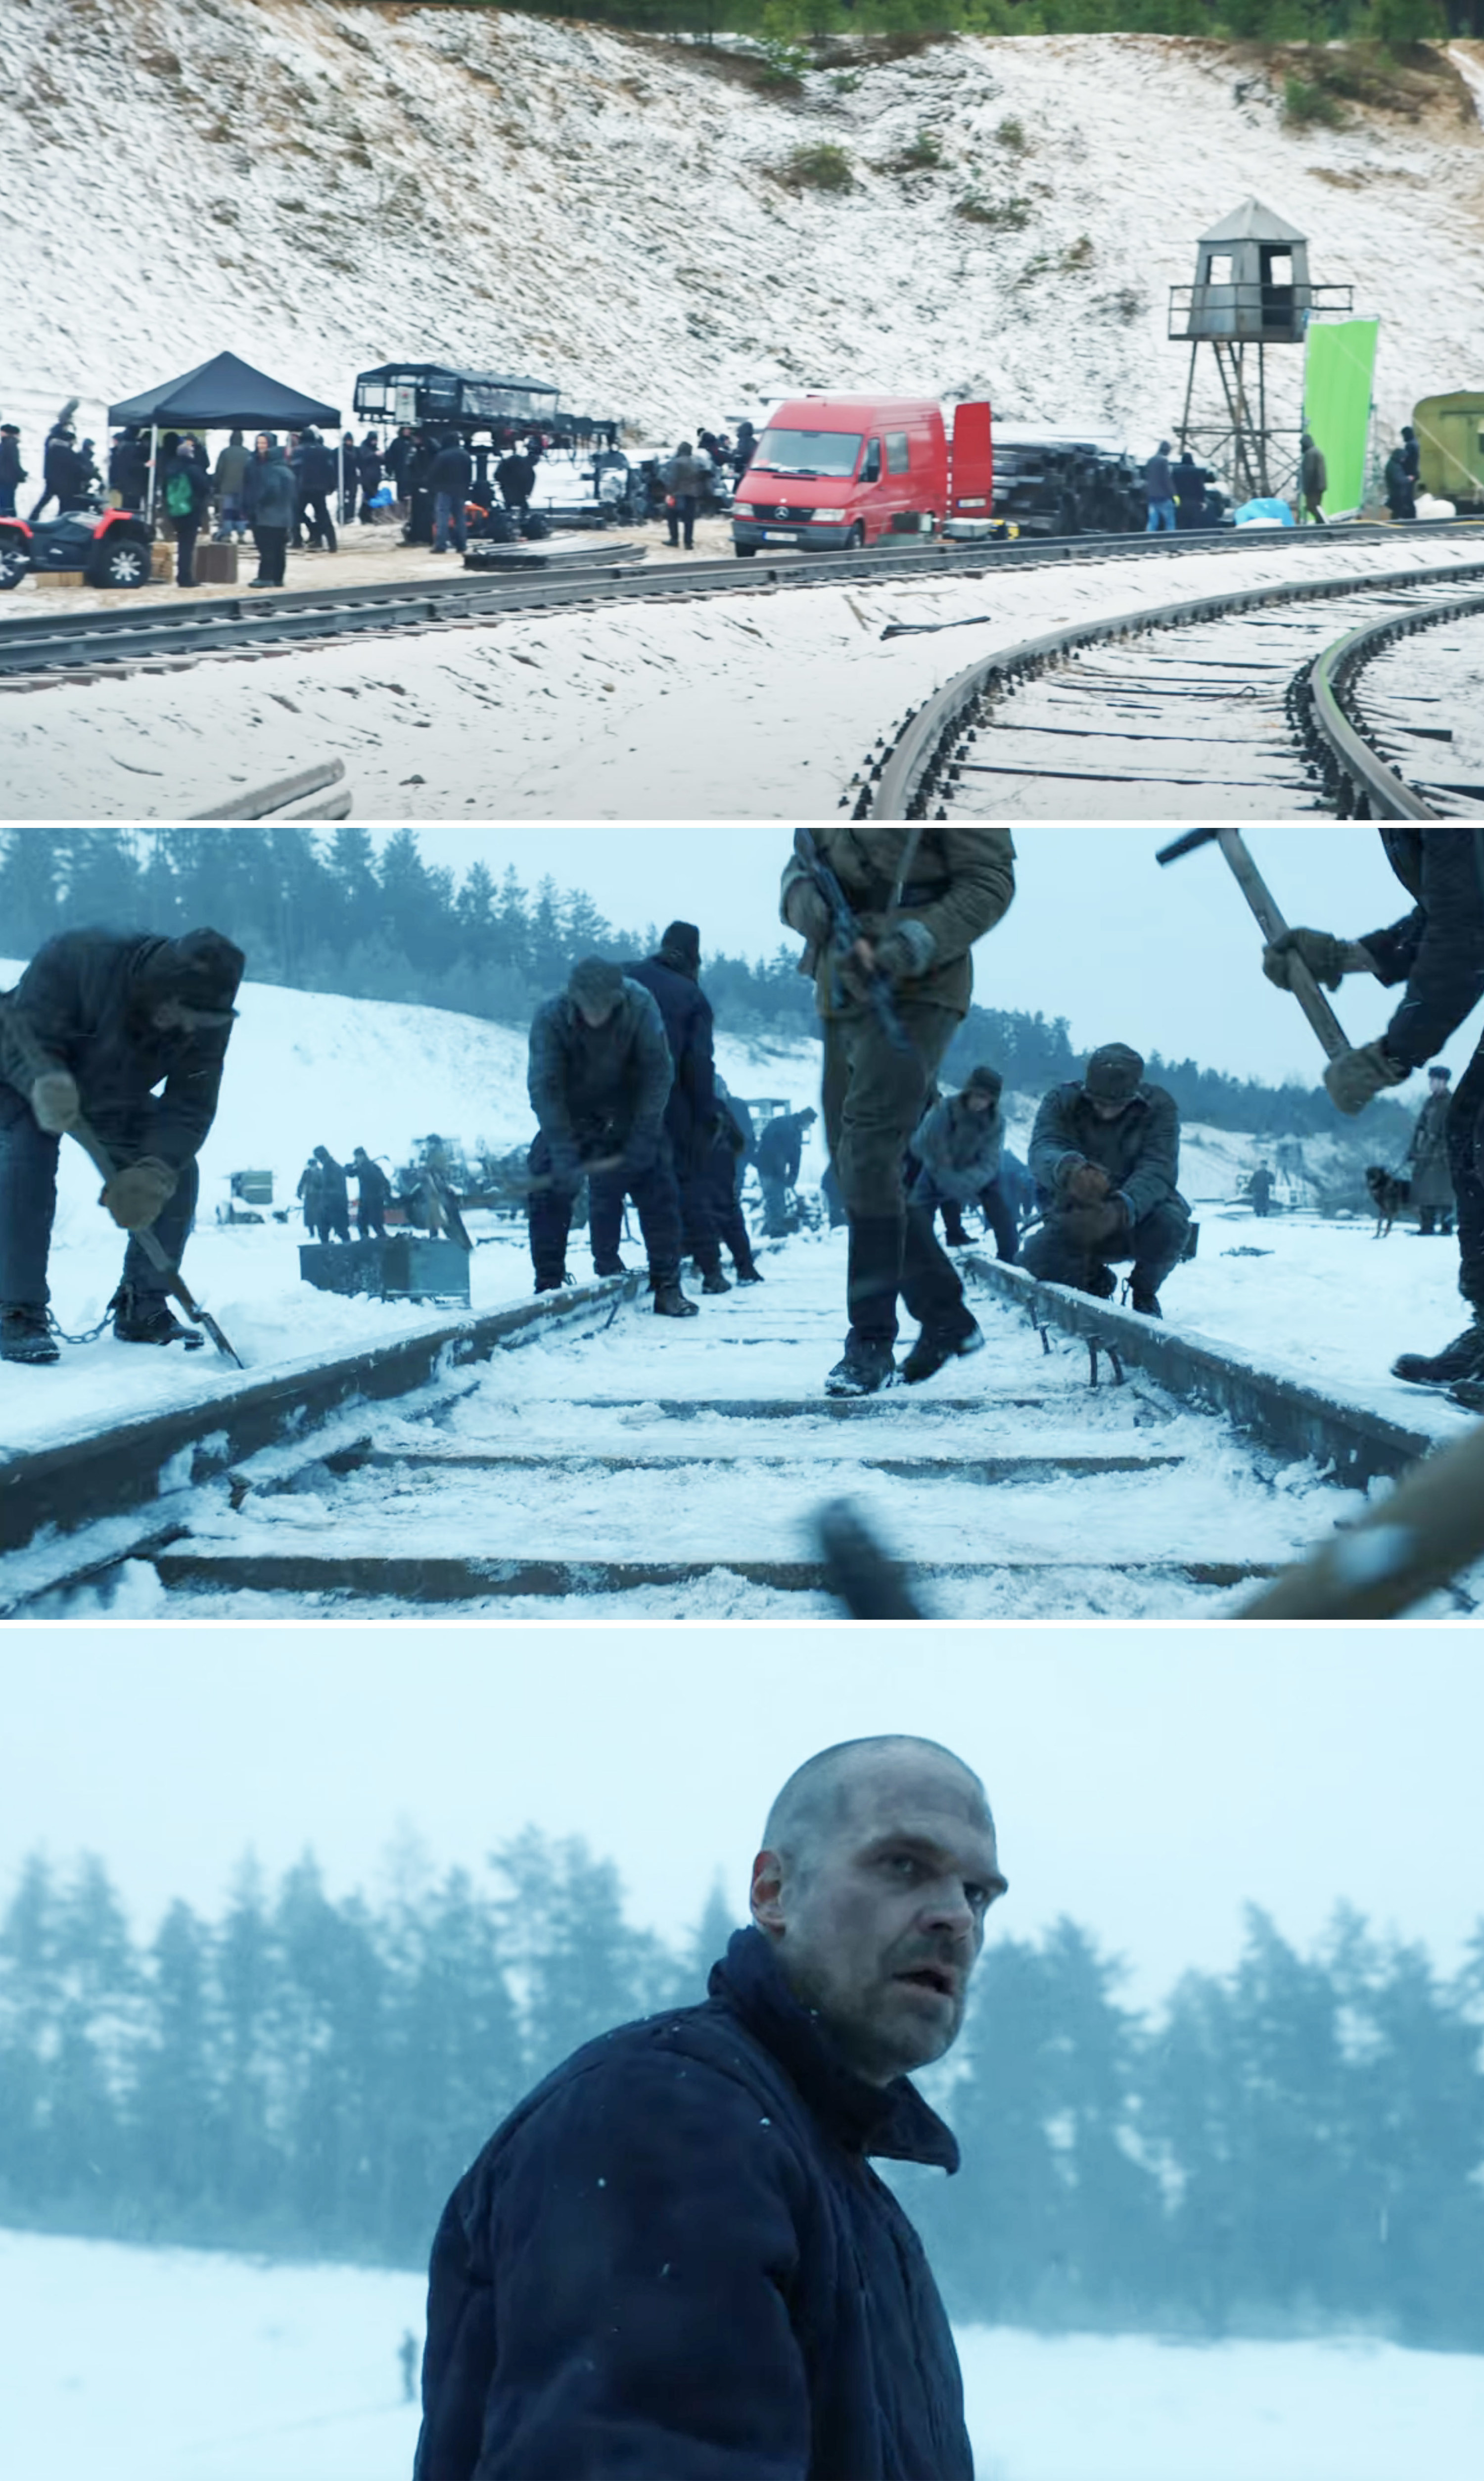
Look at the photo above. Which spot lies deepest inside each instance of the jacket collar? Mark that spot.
(891, 2121)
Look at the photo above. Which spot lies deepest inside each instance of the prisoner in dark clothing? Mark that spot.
(373, 1195)
(332, 1198)
(1105, 1154)
(113, 1018)
(960, 1150)
(1437, 952)
(725, 1163)
(674, 2262)
(778, 1156)
(599, 1079)
(672, 979)
(922, 897)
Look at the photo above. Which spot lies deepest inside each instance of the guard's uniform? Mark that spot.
(955, 883)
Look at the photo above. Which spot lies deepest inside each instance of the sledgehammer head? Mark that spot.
(1185, 844)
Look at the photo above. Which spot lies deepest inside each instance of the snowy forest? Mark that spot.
(1291, 2146)
(325, 912)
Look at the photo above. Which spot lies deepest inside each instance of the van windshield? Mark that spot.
(807, 452)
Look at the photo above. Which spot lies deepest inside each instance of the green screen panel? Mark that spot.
(1340, 359)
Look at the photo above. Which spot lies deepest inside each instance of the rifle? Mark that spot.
(846, 934)
(36, 1063)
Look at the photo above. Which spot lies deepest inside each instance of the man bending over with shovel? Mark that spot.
(94, 1025)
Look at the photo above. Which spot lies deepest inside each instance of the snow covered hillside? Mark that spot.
(320, 185)
(171, 2365)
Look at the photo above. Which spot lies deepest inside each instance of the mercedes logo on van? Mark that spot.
(781, 512)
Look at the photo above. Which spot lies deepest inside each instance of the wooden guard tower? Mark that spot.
(1252, 290)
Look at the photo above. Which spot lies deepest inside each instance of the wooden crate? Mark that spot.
(61, 577)
(162, 559)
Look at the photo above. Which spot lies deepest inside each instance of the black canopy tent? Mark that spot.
(223, 394)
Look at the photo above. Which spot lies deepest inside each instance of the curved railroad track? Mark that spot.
(1087, 1463)
(1241, 704)
(40, 647)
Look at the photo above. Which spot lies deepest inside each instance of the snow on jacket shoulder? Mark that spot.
(673, 2262)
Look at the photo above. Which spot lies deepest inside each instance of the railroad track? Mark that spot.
(39, 649)
(1233, 705)
(1085, 1463)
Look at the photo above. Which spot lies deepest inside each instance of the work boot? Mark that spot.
(670, 1302)
(936, 1347)
(867, 1367)
(1463, 1358)
(715, 1280)
(606, 1266)
(749, 1274)
(26, 1334)
(147, 1317)
(1146, 1304)
(1470, 1394)
(953, 1232)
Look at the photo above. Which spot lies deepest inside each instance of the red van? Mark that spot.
(832, 473)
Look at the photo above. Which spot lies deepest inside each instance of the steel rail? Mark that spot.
(902, 782)
(133, 1469)
(1294, 1420)
(72, 1512)
(1359, 780)
(39, 651)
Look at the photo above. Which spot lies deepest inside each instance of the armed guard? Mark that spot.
(600, 1077)
(113, 1018)
(890, 917)
(1432, 1181)
(1105, 1154)
(1437, 952)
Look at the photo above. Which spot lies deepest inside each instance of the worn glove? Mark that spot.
(906, 953)
(56, 1102)
(135, 1195)
(805, 911)
(1329, 959)
(1091, 1227)
(1086, 1185)
(1357, 1076)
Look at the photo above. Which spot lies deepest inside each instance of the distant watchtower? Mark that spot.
(1252, 289)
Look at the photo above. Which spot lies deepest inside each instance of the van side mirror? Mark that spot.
(870, 471)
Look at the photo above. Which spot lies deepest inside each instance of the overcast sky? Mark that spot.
(1168, 959)
(1148, 1784)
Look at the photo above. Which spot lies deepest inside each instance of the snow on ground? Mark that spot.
(319, 186)
(307, 1068)
(172, 2364)
(724, 710)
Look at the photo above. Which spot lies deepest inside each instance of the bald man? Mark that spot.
(673, 2260)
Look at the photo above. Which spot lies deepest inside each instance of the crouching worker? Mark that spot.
(1105, 1155)
(600, 1077)
(108, 1019)
(674, 2262)
(960, 1146)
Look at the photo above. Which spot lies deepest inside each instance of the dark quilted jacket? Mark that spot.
(674, 2262)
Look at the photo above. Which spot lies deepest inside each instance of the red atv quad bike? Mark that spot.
(110, 547)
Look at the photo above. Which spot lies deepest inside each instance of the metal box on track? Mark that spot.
(404, 1266)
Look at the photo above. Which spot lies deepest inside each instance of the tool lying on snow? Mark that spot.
(37, 1064)
(1254, 887)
